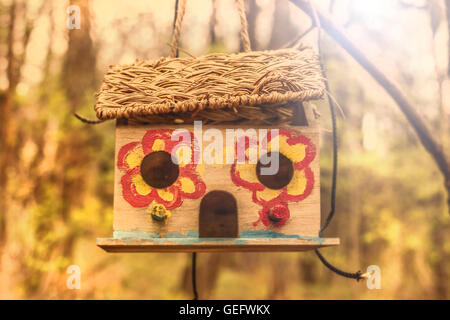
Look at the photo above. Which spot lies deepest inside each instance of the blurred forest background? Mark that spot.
(56, 173)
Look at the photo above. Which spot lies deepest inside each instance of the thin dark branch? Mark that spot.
(299, 37)
(416, 121)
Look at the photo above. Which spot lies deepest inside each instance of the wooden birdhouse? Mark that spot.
(216, 153)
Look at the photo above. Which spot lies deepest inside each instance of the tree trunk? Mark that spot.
(212, 23)
(441, 274)
(283, 30)
(6, 104)
(252, 14)
(78, 80)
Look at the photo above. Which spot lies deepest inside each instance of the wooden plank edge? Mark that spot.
(246, 245)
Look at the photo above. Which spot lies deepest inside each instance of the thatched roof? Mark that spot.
(215, 81)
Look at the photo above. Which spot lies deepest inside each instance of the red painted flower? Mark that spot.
(295, 147)
(138, 193)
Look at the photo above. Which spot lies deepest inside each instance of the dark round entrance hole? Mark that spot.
(158, 169)
(282, 177)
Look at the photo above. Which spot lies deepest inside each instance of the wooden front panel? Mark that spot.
(260, 214)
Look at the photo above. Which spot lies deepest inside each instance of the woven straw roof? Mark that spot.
(215, 81)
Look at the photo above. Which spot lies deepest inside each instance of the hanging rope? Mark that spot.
(194, 275)
(356, 275)
(177, 20)
(333, 123)
(244, 26)
(180, 10)
(87, 120)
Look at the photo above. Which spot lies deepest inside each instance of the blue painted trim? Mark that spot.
(192, 237)
(275, 235)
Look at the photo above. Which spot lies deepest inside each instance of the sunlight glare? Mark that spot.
(372, 12)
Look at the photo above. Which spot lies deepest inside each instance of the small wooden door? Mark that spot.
(218, 215)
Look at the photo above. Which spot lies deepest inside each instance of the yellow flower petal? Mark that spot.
(298, 183)
(134, 157)
(141, 187)
(201, 169)
(295, 153)
(158, 145)
(247, 172)
(187, 185)
(268, 194)
(165, 194)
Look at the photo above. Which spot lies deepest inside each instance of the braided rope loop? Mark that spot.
(244, 26)
(180, 10)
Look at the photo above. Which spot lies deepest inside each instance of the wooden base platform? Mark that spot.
(214, 244)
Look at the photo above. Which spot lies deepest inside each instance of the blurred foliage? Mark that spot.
(391, 208)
